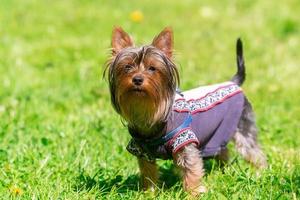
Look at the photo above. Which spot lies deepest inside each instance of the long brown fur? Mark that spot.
(191, 164)
(149, 174)
(146, 105)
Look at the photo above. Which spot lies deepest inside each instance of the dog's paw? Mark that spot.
(198, 191)
(202, 189)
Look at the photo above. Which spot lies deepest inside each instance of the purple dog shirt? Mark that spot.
(215, 112)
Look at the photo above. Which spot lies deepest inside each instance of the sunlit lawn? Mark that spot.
(59, 136)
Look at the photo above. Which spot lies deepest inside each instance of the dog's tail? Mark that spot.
(240, 75)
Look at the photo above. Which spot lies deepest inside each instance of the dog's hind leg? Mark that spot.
(245, 138)
(223, 157)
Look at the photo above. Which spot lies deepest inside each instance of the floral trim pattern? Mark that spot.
(183, 138)
(208, 101)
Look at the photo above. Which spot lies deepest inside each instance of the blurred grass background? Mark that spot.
(59, 136)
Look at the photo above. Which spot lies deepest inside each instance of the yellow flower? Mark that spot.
(16, 191)
(136, 16)
(207, 12)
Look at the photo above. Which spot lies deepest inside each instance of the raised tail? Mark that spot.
(240, 75)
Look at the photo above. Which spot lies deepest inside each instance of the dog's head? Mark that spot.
(142, 79)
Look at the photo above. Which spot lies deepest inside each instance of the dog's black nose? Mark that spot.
(137, 80)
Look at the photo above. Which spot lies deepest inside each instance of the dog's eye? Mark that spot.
(128, 67)
(151, 69)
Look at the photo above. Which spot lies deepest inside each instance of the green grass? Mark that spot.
(59, 136)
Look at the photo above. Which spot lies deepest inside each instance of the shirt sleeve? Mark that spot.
(182, 138)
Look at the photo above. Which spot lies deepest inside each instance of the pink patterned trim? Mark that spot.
(170, 142)
(208, 101)
(175, 150)
(182, 138)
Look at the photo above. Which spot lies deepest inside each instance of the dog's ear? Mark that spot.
(120, 40)
(164, 41)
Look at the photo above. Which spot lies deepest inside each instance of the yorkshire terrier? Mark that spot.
(166, 123)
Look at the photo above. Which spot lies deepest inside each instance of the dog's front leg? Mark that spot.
(191, 164)
(149, 173)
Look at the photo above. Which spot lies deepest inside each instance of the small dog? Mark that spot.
(166, 123)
